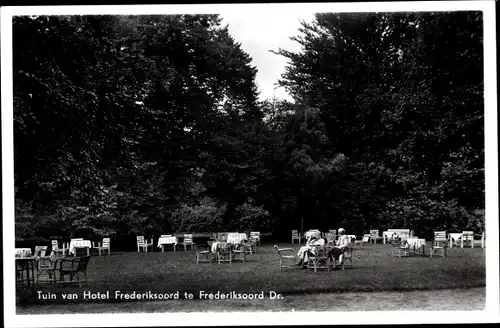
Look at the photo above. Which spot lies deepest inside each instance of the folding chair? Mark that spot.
(366, 239)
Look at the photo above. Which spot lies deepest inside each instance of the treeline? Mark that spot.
(152, 124)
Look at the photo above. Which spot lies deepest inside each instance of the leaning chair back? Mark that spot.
(40, 250)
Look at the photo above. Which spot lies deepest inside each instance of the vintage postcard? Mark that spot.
(249, 164)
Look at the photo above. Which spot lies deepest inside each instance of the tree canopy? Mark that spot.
(152, 124)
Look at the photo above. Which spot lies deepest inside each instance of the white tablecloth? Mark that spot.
(310, 234)
(167, 241)
(236, 238)
(23, 252)
(389, 235)
(454, 238)
(416, 243)
(80, 244)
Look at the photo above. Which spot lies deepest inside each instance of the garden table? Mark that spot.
(310, 234)
(74, 244)
(167, 240)
(236, 238)
(454, 238)
(417, 244)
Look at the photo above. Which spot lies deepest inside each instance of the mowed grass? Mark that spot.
(374, 270)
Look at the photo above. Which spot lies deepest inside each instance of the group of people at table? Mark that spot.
(336, 252)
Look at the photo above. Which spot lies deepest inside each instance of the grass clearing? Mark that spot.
(374, 271)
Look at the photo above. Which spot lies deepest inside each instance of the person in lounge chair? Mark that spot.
(340, 246)
(304, 251)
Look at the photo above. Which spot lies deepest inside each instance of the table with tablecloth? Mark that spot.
(167, 240)
(310, 234)
(236, 238)
(455, 238)
(390, 235)
(216, 245)
(74, 244)
(417, 245)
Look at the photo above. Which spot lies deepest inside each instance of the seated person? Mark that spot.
(315, 241)
(340, 246)
(308, 249)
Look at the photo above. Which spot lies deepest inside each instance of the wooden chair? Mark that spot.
(40, 251)
(398, 249)
(255, 236)
(250, 247)
(480, 241)
(346, 256)
(467, 238)
(188, 241)
(440, 243)
(143, 244)
(44, 264)
(366, 239)
(58, 252)
(319, 260)
(224, 252)
(76, 267)
(296, 236)
(287, 258)
(239, 253)
(375, 236)
(204, 254)
(105, 245)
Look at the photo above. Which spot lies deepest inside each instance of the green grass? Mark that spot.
(374, 270)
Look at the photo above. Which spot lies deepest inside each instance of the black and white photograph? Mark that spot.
(282, 163)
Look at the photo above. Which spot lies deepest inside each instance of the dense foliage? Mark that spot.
(152, 124)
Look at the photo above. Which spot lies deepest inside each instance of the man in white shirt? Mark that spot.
(340, 247)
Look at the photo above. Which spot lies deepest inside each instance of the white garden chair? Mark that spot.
(366, 239)
(480, 241)
(375, 236)
(467, 239)
(143, 244)
(105, 245)
(287, 258)
(440, 243)
(188, 241)
(255, 236)
(296, 236)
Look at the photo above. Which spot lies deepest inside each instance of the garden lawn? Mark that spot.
(374, 270)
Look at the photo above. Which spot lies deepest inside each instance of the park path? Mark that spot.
(452, 299)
